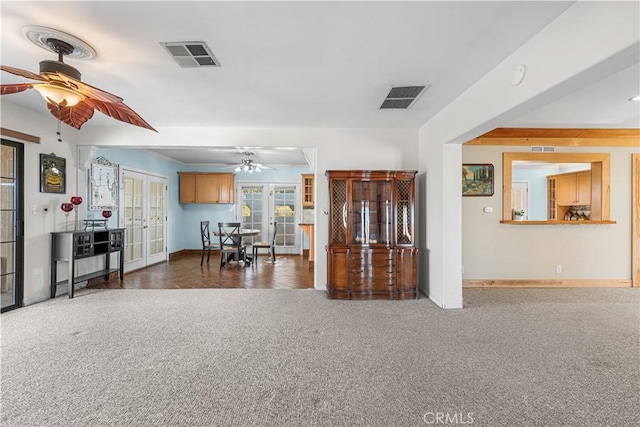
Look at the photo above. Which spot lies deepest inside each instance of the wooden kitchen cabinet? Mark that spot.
(308, 196)
(371, 252)
(572, 189)
(187, 188)
(583, 187)
(207, 187)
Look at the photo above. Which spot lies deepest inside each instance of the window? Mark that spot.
(599, 190)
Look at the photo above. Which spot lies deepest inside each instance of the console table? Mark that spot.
(70, 246)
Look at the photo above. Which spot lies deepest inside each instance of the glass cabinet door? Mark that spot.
(372, 216)
(404, 214)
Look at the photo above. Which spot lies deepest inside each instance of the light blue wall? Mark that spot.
(192, 214)
(537, 179)
(144, 161)
(184, 219)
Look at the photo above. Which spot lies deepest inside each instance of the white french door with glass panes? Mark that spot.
(520, 197)
(261, 204)
(143, 215)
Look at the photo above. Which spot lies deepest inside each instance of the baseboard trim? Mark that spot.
(546, 283)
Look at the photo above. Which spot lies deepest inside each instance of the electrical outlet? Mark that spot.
(558, 269)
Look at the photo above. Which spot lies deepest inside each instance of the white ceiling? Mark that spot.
(231, 156)
(604, 104)
(298, 64)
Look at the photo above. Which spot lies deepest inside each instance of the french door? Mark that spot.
(143, 215)
(261, 204)
(520, 198)
(11, 220)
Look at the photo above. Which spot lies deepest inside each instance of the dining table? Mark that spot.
(243, 232)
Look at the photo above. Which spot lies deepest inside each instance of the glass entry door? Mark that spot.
(252, 209)
(11, 219)
(143, 215)
(284, 207)
(263, 203)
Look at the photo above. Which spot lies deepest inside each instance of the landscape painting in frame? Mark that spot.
(477, 179)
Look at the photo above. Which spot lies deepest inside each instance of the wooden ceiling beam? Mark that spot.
(560, 137)
(23, 137)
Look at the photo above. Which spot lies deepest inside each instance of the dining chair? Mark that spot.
(266, 245)
(207, 246)
(231, 243)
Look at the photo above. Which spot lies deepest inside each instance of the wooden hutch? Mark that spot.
(371, 252)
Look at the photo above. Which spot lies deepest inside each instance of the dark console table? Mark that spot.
(70, 246)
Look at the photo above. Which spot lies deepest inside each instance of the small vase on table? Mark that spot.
(76, 201)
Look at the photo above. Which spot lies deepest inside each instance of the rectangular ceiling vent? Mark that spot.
(191, 54)
(402, 97)
(542, 149)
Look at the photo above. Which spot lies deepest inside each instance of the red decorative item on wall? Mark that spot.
(106, 214)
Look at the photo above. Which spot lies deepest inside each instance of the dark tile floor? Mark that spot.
(288, 272)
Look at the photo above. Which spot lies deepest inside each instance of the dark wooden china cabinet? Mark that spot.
(371, 252)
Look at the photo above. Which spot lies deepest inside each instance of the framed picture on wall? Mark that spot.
(53, 174)
(477, 179)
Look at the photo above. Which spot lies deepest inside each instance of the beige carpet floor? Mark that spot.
(235, 357)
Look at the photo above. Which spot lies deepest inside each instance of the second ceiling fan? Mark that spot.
(248, 165)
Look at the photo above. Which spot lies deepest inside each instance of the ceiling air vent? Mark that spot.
(542, 149)
(402, 97)
(191, 54)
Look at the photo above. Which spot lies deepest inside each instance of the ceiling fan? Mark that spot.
(248, 165)
(68, 99)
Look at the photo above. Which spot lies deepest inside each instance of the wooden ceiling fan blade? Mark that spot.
(74, 116)
(24, 73)
(119, 111)
(14, 88)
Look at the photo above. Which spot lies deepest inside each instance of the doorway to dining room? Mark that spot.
(262, 203)
(143, 215)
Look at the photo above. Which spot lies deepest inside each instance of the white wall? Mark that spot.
(500, 251)
(37, 240)
(588, 42)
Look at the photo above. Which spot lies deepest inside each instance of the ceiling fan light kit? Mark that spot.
(59, 95)
(248, 165)
(68, 99)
